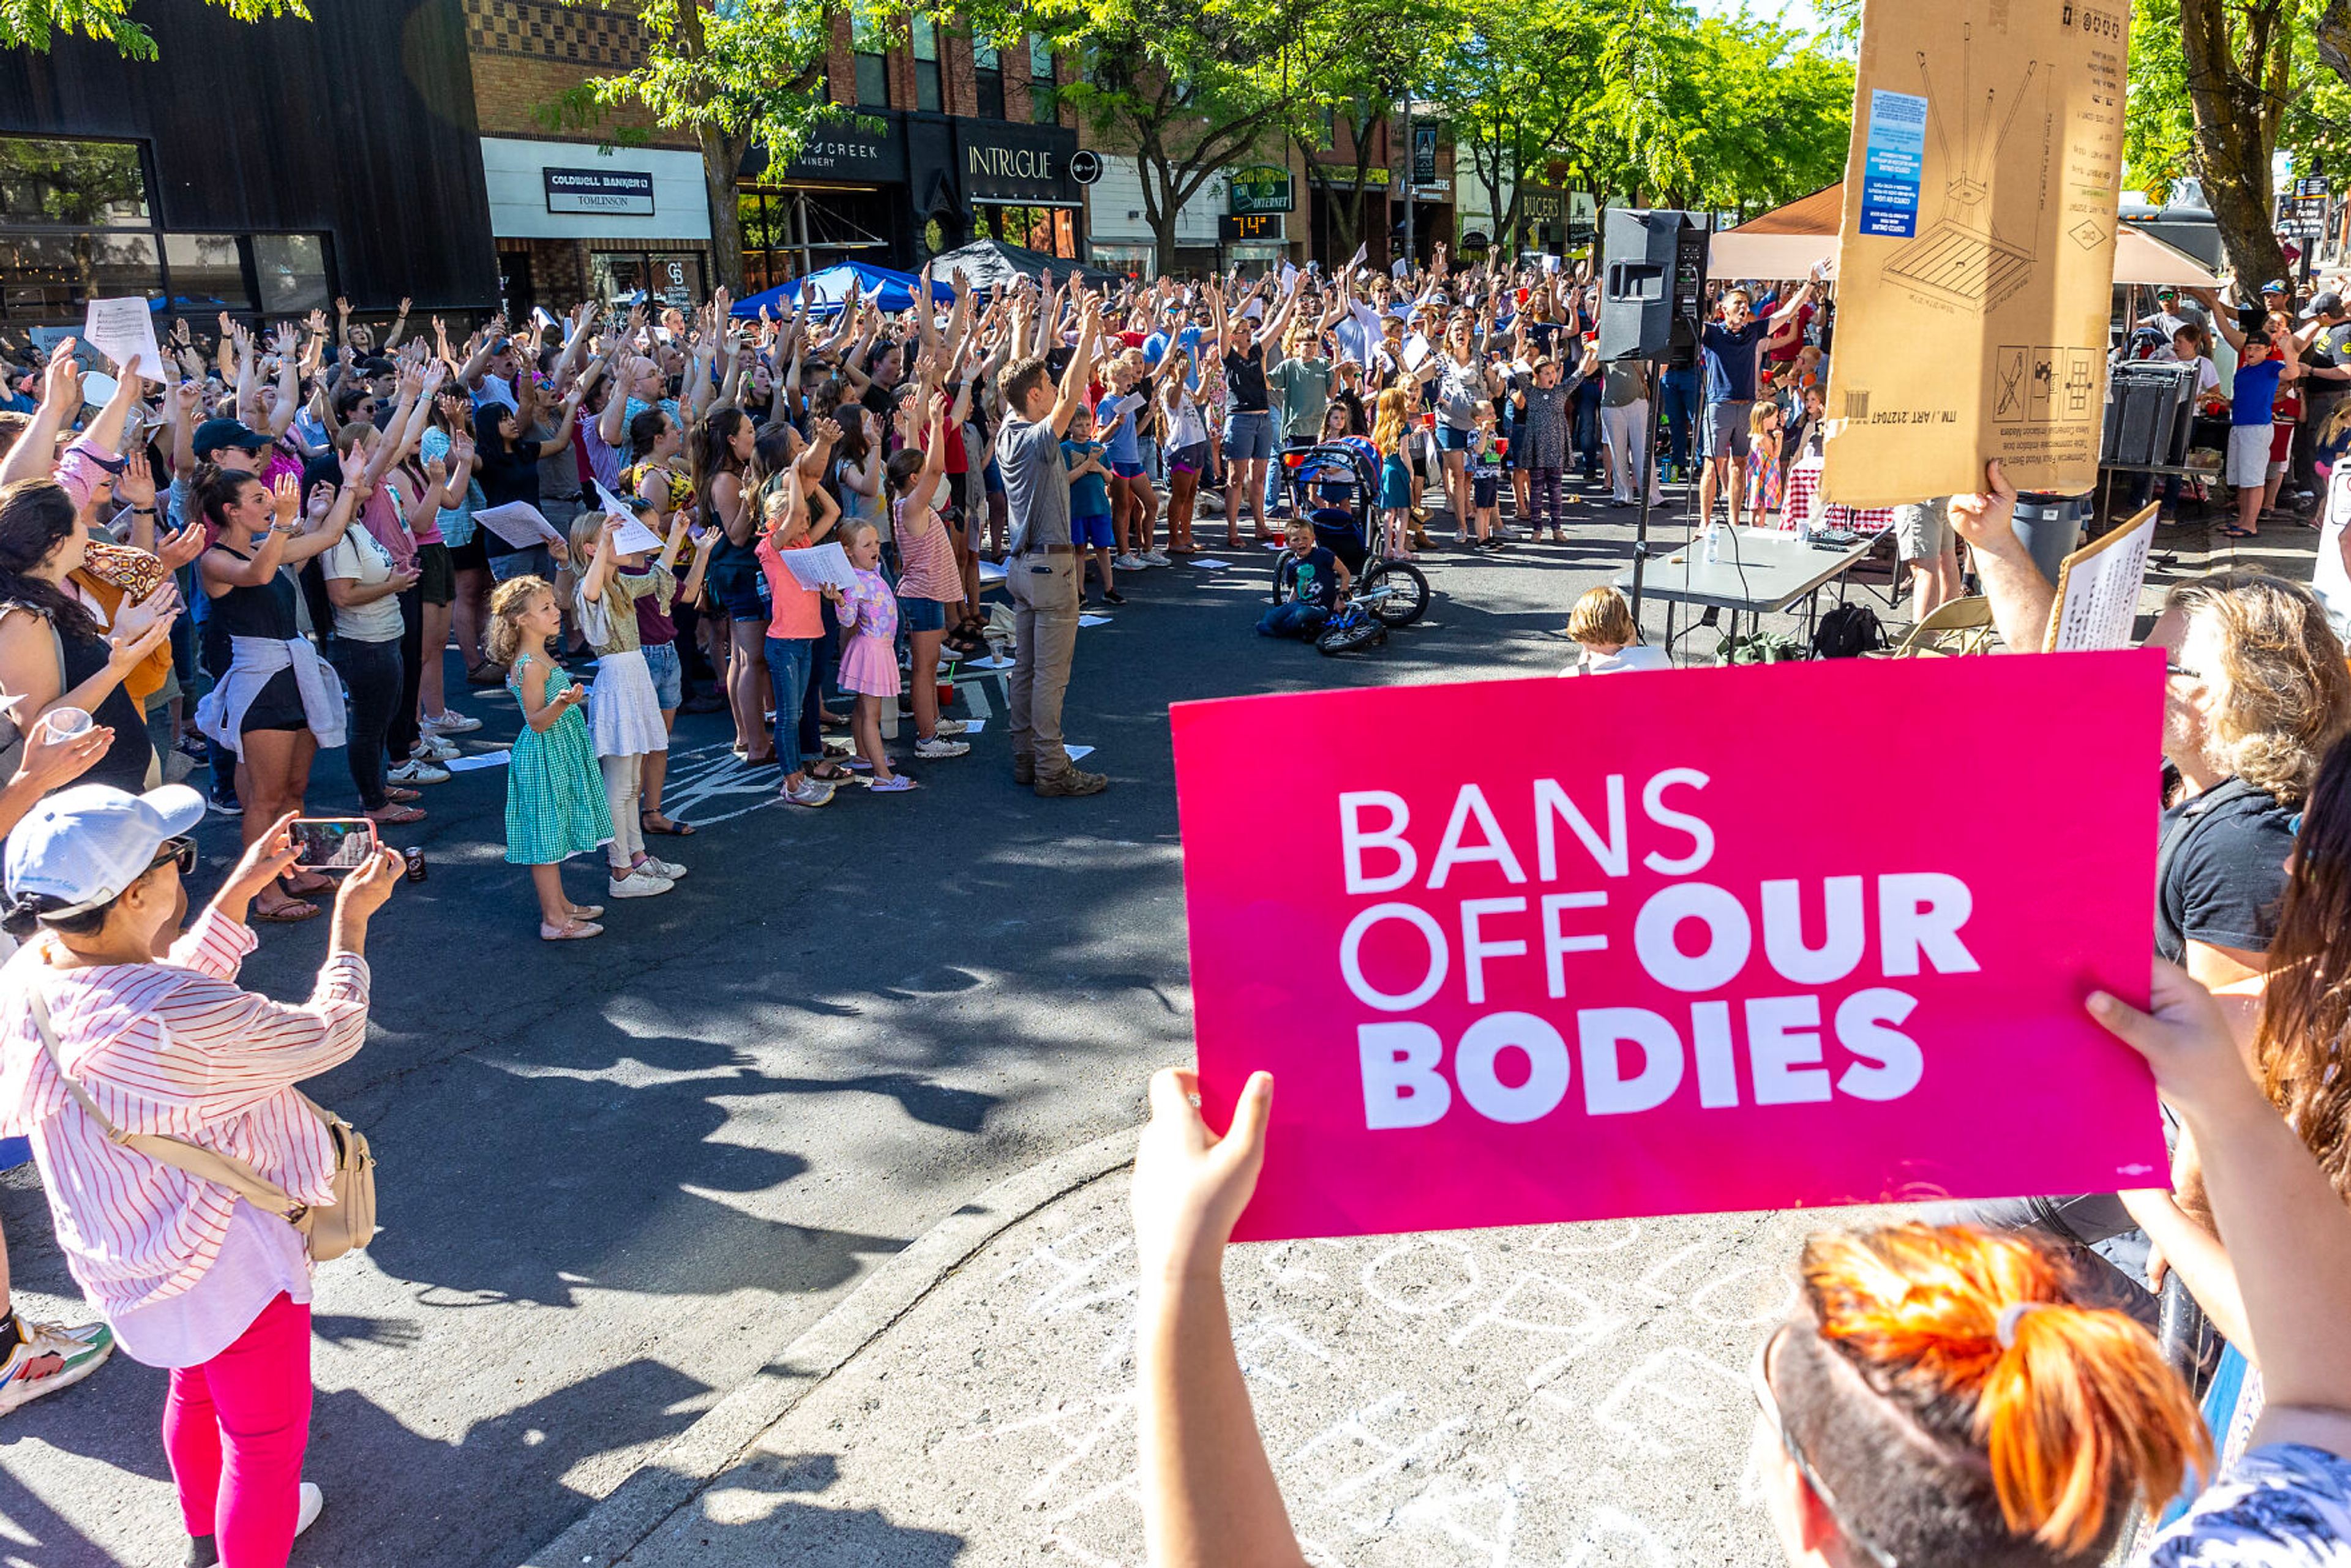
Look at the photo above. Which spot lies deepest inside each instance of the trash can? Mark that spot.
(2051, 528)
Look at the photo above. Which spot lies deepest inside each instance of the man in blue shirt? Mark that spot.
(1734, 341)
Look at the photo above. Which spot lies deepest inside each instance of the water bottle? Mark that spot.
(1713, 542)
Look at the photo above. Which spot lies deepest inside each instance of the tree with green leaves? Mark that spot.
(1191, 87)
(1520, 81)
(732, 72)
(1405, 44)
(34, 24)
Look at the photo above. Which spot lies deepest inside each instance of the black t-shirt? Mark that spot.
(506, 478)
(1245, 379)
(1311, 579)
(2226, 871)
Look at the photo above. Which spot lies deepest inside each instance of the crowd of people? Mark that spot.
(631, 513)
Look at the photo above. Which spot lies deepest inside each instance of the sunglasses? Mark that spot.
(182, 850)
(1760, 1374)
(2172, 667)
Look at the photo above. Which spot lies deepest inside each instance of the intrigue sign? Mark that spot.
(1696, 942)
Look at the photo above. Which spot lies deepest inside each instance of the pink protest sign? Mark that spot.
(1683, 942)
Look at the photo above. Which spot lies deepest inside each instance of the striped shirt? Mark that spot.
(927, 555)
(174, 1047)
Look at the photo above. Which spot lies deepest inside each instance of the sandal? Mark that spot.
(2233, 532)
(831, 772)
(578, 931)
(654, 822)
(395, 792)
(298, 887)
(293, 912)
(395, 816)
(828, 720)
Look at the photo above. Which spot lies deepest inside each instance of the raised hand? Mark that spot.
(62, 385)
(136, 483)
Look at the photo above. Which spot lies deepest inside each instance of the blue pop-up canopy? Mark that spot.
(827, 290)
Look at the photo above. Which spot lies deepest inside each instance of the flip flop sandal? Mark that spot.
(2234, 532)
(669, 826)
(289, 913)
(396, 815)
(297, 888)
(395, 792)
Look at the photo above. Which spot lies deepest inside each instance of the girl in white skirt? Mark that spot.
(623, 709)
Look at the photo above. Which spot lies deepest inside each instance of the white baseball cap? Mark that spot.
(84, 845)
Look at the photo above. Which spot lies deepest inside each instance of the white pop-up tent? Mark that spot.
(1788, 242)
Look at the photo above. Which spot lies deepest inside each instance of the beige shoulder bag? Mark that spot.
(329, 1230)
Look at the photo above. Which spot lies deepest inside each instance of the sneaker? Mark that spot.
(1155, 557)
(1112, 596)
(226, 805)
(432, 748)
(639, 884)
(665, 870)
(450, 723)
(809, 793)
(952, 726)
(314, 1502)
(50, 1356)
(939, 746)
(1126, 562)
(1071, 781)
(416, 770)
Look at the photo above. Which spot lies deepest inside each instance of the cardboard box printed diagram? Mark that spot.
(1975, 268)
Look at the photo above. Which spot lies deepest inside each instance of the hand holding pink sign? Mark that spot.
(1625, 976)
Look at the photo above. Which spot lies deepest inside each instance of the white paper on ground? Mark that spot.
(974, 725)
(991, 571)
(1079, 753)
(636, 539)
(120, 329)
(820, 566)
(993, 662)
(1202, 563)
(518, 523)
(1094, 620)
(487, 759)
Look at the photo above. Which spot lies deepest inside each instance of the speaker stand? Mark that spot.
(1648, 477)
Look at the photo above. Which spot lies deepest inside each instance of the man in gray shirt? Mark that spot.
(1041, 572)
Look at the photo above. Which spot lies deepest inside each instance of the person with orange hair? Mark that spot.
(1941, 1397)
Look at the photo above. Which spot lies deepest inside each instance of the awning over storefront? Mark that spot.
(827, 290)
(1790, 241)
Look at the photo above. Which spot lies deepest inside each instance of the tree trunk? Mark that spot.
(2236, 130)
(2334, 38)
(722, 158)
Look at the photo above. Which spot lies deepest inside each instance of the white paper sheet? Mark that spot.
(1094, 620)
(820, 566)
(518, 523)
(974, 725)
(991, 571)
(992, 661)
(473, 764)
(1415, 349)
(120, 329)
(1079, 753)
(634, 538)
(1363, 254)
(1202, 563)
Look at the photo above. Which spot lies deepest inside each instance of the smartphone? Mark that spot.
(333, 844)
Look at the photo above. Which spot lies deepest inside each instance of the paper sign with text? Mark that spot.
(2098, 589)
(1678, 942)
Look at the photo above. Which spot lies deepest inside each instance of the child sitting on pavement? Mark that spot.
(1608, 637)
(1307, 582)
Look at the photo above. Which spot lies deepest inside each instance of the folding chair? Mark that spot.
(1962, 626)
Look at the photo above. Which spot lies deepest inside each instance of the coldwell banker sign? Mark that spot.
(619, 192)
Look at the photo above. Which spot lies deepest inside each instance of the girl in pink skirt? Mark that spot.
(869, 661)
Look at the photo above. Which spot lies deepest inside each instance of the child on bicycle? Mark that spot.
(1307, 582)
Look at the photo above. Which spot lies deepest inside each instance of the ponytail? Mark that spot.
(1978, 1341)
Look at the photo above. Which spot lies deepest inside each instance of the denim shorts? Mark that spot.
(1248, 437)
(1092, 533)
(532, 561)
(922, 615)
(669, 680)
(1449, 439)
(737, 592)
(992, 477)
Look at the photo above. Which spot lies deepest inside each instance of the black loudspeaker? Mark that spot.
(1652, 285)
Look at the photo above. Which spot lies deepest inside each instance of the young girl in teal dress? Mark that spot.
(555, 795)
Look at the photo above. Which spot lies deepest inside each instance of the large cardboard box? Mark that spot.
(1975, 271)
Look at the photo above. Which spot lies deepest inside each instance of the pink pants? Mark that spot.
(235, 1429)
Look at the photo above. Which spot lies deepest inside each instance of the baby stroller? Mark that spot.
(1335, 488)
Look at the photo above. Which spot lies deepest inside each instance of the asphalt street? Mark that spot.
(617, 1177)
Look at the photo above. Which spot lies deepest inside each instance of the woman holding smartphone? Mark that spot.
(116, 1007)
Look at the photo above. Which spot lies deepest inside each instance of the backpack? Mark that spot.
(1847, 631)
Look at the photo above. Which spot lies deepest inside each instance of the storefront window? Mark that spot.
(1044, 102)
(207, 272)
(1051, 230)
(93, 185)
(292, 272)
(926, 64)
(52, 276)
(988, 77)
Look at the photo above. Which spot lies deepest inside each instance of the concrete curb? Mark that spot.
(671, 1477)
